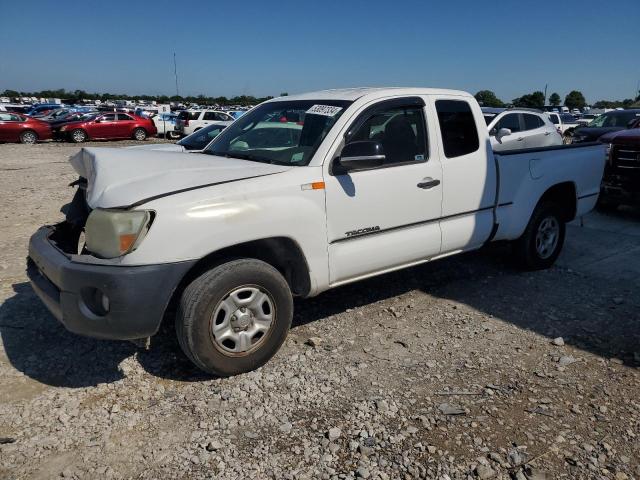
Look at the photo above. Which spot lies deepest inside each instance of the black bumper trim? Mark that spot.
(138, 295)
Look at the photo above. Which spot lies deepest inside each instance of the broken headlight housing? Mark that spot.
(113, 233)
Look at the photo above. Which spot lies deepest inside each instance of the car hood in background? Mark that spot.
(123, 178)
(593, 133)
(631, 136)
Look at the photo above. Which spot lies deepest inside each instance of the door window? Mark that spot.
(122, 116)
(532, 122)
(510, 121)
(457, 127)
(108, 117)
(400, 130)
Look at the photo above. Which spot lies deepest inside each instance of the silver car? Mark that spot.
(514, 129)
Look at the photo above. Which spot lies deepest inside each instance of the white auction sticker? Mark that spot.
(326, 110)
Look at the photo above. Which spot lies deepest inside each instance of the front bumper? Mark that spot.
(138, 295)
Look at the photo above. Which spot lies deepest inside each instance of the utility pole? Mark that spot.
(175, 72)
(545, 93)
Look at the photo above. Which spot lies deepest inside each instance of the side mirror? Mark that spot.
(97, 120)
(359, 154)
(503, 132)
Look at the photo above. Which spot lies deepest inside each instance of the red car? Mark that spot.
(109, 126)
(15, 127)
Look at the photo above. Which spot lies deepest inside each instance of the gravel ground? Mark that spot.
(465, 368)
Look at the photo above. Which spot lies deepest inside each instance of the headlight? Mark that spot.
(63, 128)
(608, 153)
(113, 233)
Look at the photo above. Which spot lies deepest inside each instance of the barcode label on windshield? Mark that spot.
(326, 110)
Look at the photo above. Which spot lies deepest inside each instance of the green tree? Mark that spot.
(555, 99)
(575, 99)
(487, 98)
(532, 100)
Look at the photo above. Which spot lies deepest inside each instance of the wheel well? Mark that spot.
(280, 252)
(563, 195)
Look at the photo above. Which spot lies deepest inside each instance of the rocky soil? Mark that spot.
(462, 369)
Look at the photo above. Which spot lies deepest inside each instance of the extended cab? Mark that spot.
(299, 195)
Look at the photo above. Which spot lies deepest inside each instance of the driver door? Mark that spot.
(386, 217)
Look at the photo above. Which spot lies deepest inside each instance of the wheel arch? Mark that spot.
(564, 195)
(282, 253)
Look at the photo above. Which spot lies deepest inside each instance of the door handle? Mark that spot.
(428, 183)
(520, 139)
(547, 133)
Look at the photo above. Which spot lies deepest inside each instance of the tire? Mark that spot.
(567, 139)
(172, 135)
(209, 307)
(140, 134)
(78, 135)
(28, 137)
(542, 241)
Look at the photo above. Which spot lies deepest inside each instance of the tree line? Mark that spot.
(574, 99)
(76, 96)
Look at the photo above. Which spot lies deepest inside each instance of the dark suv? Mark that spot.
(621, 181)
(606, 123)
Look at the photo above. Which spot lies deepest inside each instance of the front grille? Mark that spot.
(626, 157)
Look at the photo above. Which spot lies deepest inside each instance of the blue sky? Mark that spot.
(267, 47)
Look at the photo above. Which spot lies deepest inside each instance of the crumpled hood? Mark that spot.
(119, 177)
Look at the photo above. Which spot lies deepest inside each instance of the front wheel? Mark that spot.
(78, 136)
(29, 137)
(541, 243)
(140, 134)
(234, 318)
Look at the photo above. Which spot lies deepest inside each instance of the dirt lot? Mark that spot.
(446, 371)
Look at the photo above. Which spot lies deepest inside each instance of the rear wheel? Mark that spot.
(173, 135)
(140, 134)
(234, 318)
(28, 137)
(542, 241)
(78, 135)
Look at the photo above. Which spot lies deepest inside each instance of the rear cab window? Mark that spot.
(457, 127)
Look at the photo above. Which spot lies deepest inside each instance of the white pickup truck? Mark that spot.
(301, 194)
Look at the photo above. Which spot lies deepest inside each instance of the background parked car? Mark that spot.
(516, 128)
(15, 127)
(38, 109)
(565, 123)
(607, 122)
(59, 122)
(189, 121)
(165, 124)
(109, 126)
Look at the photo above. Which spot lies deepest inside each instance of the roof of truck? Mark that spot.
(352, 94)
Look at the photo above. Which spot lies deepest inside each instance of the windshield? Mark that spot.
(617, 119)
(282, 132)
(200, 139)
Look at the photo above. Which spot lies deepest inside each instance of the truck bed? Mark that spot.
(580, 165)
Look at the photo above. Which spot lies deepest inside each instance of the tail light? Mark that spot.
(186, 122)
(559, 130)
